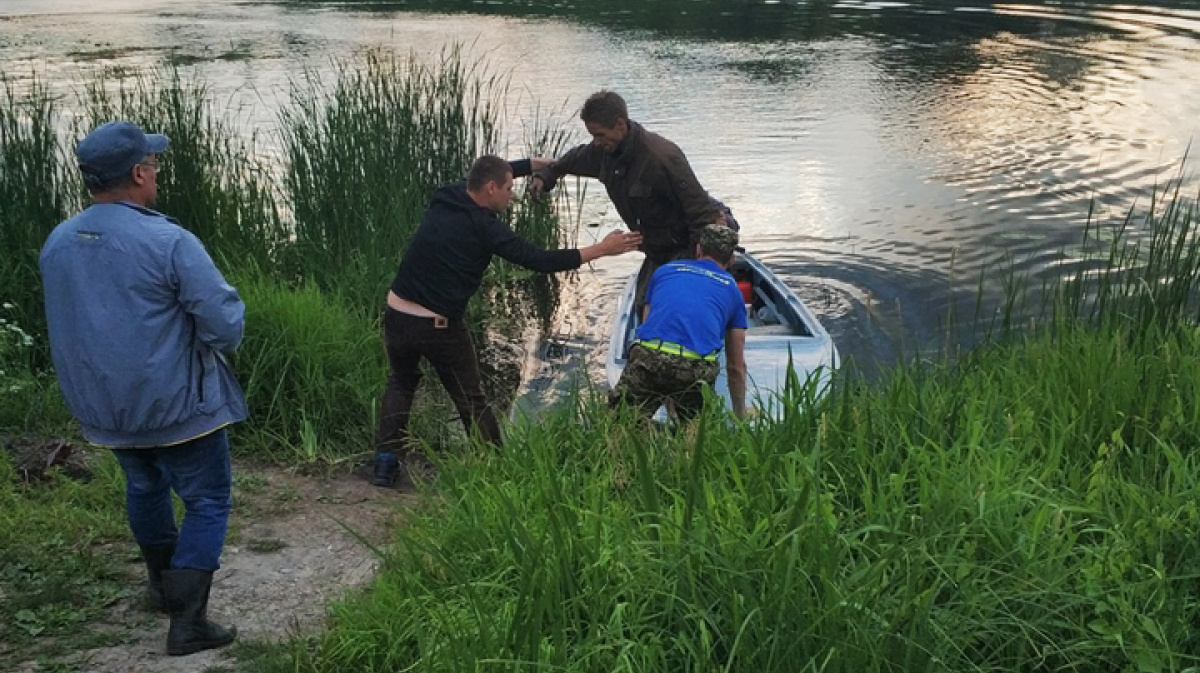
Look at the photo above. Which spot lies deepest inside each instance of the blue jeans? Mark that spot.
(199, 471)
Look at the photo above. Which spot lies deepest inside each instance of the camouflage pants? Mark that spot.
(651, 376)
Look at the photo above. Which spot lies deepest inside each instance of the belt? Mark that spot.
(439, 322)
(675, 349)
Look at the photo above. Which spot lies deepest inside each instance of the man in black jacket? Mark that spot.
(441, 268)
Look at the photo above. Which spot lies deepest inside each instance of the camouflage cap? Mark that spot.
(718, 240)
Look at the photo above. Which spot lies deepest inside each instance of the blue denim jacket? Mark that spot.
(139, 319)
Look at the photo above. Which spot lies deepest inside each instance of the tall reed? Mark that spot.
(365, 152)
(34, 193)
(211, 178)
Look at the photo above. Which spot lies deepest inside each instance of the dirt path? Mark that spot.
(290, 552)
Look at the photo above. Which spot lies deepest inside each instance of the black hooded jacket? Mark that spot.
(451, 249)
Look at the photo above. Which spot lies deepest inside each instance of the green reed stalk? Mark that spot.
(211, 179)
(364, 155)
(311, 367)
(34, 195)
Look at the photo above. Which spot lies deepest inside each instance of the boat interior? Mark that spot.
(768, 310)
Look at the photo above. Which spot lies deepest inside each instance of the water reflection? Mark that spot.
(880, 155)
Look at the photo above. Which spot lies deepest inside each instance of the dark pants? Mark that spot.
(649, 265)
(407, 339)
(650, 377)
(199, 471)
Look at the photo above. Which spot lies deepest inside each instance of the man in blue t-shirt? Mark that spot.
(693, 309)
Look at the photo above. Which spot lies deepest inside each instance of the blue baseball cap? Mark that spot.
(113, 149)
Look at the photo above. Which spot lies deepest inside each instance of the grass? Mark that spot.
(365, 152)
(58, 570)
(1029, 505)
(311, 367)
(211, 178)
(33, 196)
(894, 529)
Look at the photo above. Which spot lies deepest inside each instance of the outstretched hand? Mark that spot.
(621, 242)
(616, 243)
(535, 186)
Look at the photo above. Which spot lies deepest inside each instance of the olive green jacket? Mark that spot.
(652, 186)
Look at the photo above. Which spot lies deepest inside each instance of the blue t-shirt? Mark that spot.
(693, 304)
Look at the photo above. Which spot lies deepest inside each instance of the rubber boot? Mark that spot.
(387, 466)
(187, 598)
(158, 558)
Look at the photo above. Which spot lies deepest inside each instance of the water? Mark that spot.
(880, 155)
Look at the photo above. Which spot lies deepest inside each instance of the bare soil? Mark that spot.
(296, 543)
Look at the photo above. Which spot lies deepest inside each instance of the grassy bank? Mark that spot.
(1035, 510)
(1030, 506)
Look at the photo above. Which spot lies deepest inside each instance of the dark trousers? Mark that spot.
(407, 339)
(649, 265)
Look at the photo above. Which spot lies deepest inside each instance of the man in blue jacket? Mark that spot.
(442, 267)
(140, 320)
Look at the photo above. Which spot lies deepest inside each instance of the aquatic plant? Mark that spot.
(211, 179)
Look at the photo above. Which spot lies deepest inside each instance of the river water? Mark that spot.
(879, 155)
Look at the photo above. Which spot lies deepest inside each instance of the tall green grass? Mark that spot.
(33, 193)
(316, 228)
(312, 368)
(1031, 506)
(212, 178)
(365, 152)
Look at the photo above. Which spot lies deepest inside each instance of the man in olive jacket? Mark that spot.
(647, 177)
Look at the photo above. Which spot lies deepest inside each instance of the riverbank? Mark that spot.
(296, 542)
(1029, 504)
(1032, 506)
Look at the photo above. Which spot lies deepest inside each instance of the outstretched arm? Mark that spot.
(616, 243)
(735, 369)
(583, 160)
(506, 243)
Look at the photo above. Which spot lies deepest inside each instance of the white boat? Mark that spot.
(780, 327)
